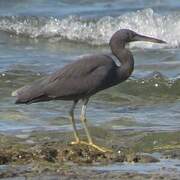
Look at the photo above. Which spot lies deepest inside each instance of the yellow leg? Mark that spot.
(71, 117)
(101, 149)
(84, 122)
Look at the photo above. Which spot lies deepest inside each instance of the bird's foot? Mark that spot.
(78, 142)
(101, 149)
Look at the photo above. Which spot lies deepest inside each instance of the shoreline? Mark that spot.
(49, 155)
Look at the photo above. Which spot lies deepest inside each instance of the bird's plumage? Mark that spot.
(82, 78)
(85, 77)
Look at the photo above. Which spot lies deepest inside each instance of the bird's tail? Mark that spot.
(21, 95)
(32, 93)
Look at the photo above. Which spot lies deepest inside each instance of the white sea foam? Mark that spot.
(97, 32)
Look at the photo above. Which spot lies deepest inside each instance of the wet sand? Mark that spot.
(48, 155)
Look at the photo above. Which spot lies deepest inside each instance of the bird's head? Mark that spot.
(124, 36)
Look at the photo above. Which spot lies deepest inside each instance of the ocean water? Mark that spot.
(37, 37)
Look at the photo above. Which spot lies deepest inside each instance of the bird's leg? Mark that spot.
(71, 117)
(84, 122)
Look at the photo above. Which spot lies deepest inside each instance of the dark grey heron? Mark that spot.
(85, 77)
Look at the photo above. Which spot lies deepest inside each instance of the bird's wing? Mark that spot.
(82, 66)
(80, 78)
(84, 76)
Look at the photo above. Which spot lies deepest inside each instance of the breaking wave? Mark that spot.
(96, 31)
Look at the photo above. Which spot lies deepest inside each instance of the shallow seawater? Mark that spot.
(165, 166)
(37, 38)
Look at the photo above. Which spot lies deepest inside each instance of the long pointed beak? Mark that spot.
(139, 37)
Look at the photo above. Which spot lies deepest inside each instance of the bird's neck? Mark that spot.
(126, 59)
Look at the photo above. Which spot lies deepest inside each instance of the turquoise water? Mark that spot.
(37, 37)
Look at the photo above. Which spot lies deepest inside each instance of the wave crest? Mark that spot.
(97, 32)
